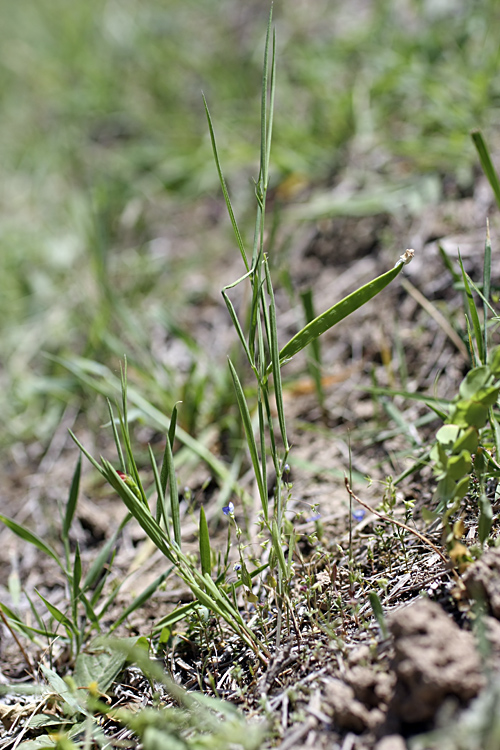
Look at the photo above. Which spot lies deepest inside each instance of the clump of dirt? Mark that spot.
(482, 580)
(433, 660)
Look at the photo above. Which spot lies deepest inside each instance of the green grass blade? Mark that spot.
(119, 451)
(376, 605)
(265, 140)
(338, 312)
(72, 499)
(178, 614)
(486, 163)
(204, 540)
(81, 368)
(140, 512)
(161, 507)
(486, 285)
(28, 536)
(278, 549)
(77, 574)
(236, 323)
(247, 425)
(102, 558)
(173, 426)
(273, 344)
(474, 317)
(168, 477)
(224, 187)
(141, 598)
(59, 616)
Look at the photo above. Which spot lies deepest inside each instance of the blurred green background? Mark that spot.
(110, 211)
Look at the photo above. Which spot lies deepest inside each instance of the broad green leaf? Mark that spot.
(102, 667)
(338, 312)
(467, 441)
(61, 688)
(29, 536)
(459, 466)
(447, 435)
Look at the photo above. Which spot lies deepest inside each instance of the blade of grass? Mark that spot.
(28, 536)
(227, 199)
(204, 541)
(247, 426)
(143, 597)
(486, 163)
(72, 499)
(486, 285)
(273, 345)
(338, 312)
(474, 317)
(119, 451)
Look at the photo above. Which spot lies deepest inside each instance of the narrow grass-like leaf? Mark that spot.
(161, 508)
(247, 426)
(378, 612)
(338, 312)
(102, 557)
(77, 574)
(227, 199)
(72, 499)
(264, 133)
(173, 426)
(168, 476)
(29, 536)
(236, 323)
(262, 434)
(486, 285)
(116, 437)
(204, 541)
(273, 344)
(178, 614)
(59, 616)
(81, 367)
(449, 265)
(278, 549)
(474, 317)
(141, 598)
(486, 163)
(140, 512)
(291, 550)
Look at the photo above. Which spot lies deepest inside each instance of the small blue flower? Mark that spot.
(316, 517)
(228, 509)
(237, 566)
(358, 515)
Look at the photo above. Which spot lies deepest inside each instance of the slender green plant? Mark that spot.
(267, 435)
